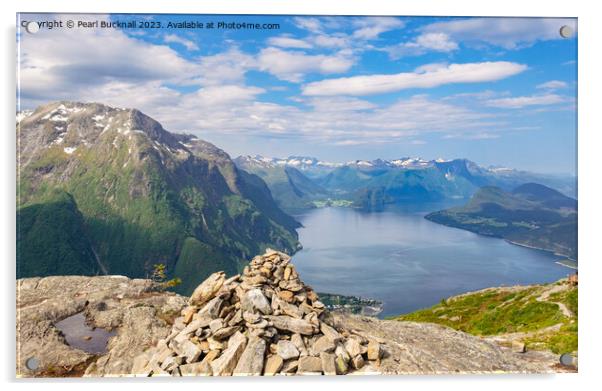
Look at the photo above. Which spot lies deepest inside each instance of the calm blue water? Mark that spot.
(408, 262)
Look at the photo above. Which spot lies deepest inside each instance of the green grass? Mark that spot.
(496, 312)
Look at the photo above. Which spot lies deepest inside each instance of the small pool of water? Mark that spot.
(80, 335)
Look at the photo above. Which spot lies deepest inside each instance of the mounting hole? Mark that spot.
(32, 27)
(567, 360)
(566, 31)
(32, 363)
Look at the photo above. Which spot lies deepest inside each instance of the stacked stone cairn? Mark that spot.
(265, 322)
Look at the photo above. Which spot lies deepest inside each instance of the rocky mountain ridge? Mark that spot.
(109, 190)
(233, 326)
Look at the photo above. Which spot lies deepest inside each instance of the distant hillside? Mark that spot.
(298, 182)
(290, 187)
(108, 189)
(532, 215)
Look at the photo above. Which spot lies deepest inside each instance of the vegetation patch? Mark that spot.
(538, 319)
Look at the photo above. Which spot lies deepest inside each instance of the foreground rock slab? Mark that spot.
(265, 321)
(140, 316)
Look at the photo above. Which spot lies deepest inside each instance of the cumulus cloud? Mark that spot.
(372, 27)
(524, 101)
(509, 33)
(423, 77)
(553, 85)
(424, 43)
(56, 63)
(292, 65)
(187, 43)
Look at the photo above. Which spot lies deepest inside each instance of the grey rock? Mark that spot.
(322, 344)
(293, 325)
(328, 364)
(207, 289)
(224, 365)
(255, 300)
(309, 365)
(287, 350)
(251, 360)
(273, 365)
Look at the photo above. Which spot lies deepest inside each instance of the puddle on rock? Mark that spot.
(80, 335)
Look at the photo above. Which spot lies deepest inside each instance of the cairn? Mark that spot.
(265, 322)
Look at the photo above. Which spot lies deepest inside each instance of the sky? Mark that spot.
(498, 91)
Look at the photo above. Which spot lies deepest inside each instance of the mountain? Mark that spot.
(103, 189)
(532, 215)
(291, 188)
(372, 184)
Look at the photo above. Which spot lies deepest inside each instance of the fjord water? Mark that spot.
(408, 262)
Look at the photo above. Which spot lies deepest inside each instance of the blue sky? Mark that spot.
(499, 91)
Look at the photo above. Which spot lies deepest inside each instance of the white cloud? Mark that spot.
(292, 65)
(553, 85)
(371, 27)
(509, 33)
(57, 63)
(426, 42)
(224, 95)
(289, 42)
(524, 101)
(227, 67)
(331, 41)
(310, 24)
(423, 77)
(187, 43)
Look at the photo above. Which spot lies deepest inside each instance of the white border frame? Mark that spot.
(590, 181)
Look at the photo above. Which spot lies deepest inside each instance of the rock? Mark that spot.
(330, 332)
(194, 369)
(341, 351)
(225, 332)
(211, 310)
(255, 300)
(273, 365)
(251, 360)
(357, 362)
(287, 350)
(286, 296)
(353, 347)
(190, 350)
(216, 324)
(290, 310)
(309, 365)
(224, 365)
(189, 313)
(299, 344)
(157, 334)
(138, 365)
(518, 347)
(251, 317)
(341, 365)
(215, 344)
(291, 324)
(328, 364)
(196, 324)
(207, 289)
(373, 350)
(322, 344)
(290, 367)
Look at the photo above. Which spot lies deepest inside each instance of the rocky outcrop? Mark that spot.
(265, 321)
(140, 315)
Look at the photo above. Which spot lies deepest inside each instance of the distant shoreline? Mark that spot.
(543, 249)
